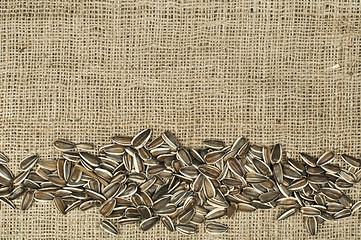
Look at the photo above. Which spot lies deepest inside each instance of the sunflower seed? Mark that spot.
(239, 145)
(186, 216)
(331, 168)
(348, 176)
(122, 140)
(155, 143)
(216, 228)
(317, 179)
(262, 167)
(148, 223)
(311, 225)
(111, 190)
(90, 159)
(166, 210)
(6, 173)
(189, 171)
(235, 166)
(186, 229)
(133, 179)
(244, 207)
(57, 181)
(141, 138)
(214, 157)
(109, 227)
(310, 211)
(8, 202)
(48, 164)
(168, 223)
(332, 193)
(64, 145)
(170, 139)
(73, 206)
(351, 160)
(113, 149)
(107, 207)
(287, 214)
(183, 156)
(253, 177)
(60, 204)
(334, 207)
(278, 172)
(343, 213)
(85, 146)
(345, 201)
(298, 184)
(17, 192)
(214, 144)
(325, 158)
(290, 172)
(268, 197)
(28, 199)
(215, 213)
(231, 209)
(28, 162)
(276, 154)
(144, 211)
(209, 188)
(297, 165)
(309, 160)
(287, 201)
(138, 163)
(209, 171)
(43, 196)
(355, 207)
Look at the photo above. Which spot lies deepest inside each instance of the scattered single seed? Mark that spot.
(109, 227)
(28, 162)
(216, 228)
(64, 145)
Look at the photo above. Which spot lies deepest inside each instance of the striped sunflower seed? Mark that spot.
(28, 162)
(351, 160)
(186, 229)
(276, 154)
(168, 223)
(287, 214)
(214, 157)
(148, 223)
(309, 160)
(64, 145)
(60, 205)
(28, 200)
(170, 139)
(141, 138)
(325, 158)
(312, 225)
(109, 227)
(214, 144)
(216, 228)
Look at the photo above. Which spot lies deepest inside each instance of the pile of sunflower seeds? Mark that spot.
(144, 181)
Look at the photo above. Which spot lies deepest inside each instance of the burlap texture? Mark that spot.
(273, 71)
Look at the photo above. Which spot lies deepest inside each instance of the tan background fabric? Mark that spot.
(273, 71)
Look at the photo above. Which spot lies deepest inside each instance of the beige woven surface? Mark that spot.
(273, 71)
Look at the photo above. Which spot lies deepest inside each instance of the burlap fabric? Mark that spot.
(273, 71)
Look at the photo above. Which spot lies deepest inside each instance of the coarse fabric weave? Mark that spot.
(284, 72)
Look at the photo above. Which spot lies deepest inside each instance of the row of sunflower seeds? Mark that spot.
(144, 181)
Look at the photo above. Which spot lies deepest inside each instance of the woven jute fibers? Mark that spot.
(273, 71)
